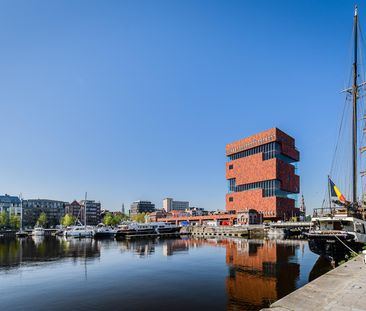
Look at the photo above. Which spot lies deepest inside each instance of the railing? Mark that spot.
(329, 211)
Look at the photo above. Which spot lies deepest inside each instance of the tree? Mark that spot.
(14, 221)
(116, 219)
(112, 219)
(3, 219)
(108, 219)
(42, 219)
(140, 217)
(67, 220)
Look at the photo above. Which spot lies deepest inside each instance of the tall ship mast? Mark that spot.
(354, 109)
(341, 228)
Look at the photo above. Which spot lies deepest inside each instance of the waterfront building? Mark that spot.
(142, 207)
(154, 216)
(261, 175)
(249, 217)
(169, 204)
(74, 209)
(33, 208)
(93, 211)
(196, 211)
(10, 204)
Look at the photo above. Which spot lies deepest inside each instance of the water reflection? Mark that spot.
(141, 248)
(260, 272)
(14, 252)
(238, 274)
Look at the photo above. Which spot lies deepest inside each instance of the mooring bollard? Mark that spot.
(364, 258)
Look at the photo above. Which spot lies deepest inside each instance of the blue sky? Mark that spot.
(136, 100)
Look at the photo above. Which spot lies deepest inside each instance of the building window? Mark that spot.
(231, 167)
(232, 185)
(231, 199)
(269, 151)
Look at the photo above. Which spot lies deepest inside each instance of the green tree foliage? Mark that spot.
(140, 217)
(108, 219)
(14, 222)
(67, 220)
(3, 219)
(42, 219)
(111, 220)
(117, 219)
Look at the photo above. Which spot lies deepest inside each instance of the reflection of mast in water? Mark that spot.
(85, 265)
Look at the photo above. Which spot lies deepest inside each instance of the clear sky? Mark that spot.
(134, 100)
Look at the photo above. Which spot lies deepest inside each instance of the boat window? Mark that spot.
(345, 223)
(337, 225)
(360, 228)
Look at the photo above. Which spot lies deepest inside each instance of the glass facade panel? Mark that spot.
(270, 151)
(270, 188)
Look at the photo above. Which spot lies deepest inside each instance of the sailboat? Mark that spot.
(341, 228)
(80, 231)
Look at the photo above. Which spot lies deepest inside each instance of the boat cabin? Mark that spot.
(348, 224)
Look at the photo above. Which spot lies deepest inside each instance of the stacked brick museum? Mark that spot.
(261, 174)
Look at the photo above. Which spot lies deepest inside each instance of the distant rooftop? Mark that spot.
(9, 199)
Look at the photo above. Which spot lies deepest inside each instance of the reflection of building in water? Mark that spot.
(259, 272)
(13, 252)
(142, 248)
(173, 246)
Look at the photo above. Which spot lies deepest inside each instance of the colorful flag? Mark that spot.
(335, 192)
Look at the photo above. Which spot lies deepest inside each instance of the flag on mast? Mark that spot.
(335, 192)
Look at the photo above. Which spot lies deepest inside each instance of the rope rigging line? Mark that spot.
(346, 245)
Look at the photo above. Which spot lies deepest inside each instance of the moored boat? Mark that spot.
(135, 229)
(79, 232)
(146, 229)
(336, 233)
(104, 232)
(165, 228)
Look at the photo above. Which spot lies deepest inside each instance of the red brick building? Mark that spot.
(261, 175)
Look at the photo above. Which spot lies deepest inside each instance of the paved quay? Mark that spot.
(341, 289)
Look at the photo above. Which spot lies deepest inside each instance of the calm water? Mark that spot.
(180, 274)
